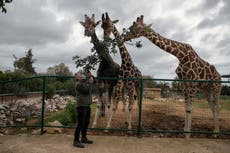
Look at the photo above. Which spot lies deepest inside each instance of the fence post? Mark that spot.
(43, 103)
(140, 108)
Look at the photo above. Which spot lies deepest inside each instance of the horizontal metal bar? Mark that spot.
(113, 78)
(122, 129)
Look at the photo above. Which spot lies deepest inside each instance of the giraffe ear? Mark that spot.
(98, 22)
(82, 23)
(106, 15)
(115, 21)
(142, 18)
(93, 17)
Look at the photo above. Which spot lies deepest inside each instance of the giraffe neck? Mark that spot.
(125, 56)
(178, 49)
(94, 39)
(101, 50)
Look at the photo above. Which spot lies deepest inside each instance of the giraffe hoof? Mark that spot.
(187, 136)
(129, 133)
(106, 131)
(216, 135)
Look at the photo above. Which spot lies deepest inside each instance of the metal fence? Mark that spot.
(161, 108)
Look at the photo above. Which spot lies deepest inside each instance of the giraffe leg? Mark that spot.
(111, 114)
(95, 117)
(213, 101)
(131, 102)
(188, 117)
(119, 86)
(187, 127)
(101, 101)
(111, 101)
(123, 100)
(138, 98)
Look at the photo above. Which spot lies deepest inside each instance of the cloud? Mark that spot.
(30, 24)
(52, 30)
(217, 13)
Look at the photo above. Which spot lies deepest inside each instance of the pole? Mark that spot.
(140, 108)
(43, 103)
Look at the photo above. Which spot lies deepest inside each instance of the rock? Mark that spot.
(53, 130)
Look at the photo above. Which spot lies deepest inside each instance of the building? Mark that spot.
(152, 93)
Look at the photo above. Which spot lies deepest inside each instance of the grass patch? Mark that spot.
(224, 102)
(55, 116)
(67, 116)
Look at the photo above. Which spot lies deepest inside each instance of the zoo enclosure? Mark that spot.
(139, 127)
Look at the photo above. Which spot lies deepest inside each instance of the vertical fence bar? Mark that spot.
(43, 103)
(140, 108)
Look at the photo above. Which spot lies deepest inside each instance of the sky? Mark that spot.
(52, 30)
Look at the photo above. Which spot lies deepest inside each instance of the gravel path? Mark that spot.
(62, 143)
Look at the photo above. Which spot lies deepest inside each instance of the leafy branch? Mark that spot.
(87, 63)
(2, 5)
(107, 46)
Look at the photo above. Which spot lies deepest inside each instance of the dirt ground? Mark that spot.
(155, 116)
(62, 143)
(169, 115)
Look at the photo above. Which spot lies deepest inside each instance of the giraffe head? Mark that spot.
(107, 25)
(138, 28)
(89, 25)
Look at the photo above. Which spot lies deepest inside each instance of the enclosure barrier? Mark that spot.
(139, 130)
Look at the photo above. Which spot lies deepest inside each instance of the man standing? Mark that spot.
(84, 100)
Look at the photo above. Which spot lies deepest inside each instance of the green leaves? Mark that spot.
(2, 5)
(87, 63)
(100, 52)
(25, 63)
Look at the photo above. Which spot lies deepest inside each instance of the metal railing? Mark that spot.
(139, 130)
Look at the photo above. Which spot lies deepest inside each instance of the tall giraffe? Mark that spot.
(107, 68)
(127, 70)
(191, 67)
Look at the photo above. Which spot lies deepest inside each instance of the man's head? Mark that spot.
(80, 76)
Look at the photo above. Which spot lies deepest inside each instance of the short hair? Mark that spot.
(80, 75)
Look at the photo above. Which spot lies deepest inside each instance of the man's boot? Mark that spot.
(86, 140)
(78, 144)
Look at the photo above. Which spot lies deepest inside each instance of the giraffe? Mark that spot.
(191, 67)
(127, 70)
(107, 68)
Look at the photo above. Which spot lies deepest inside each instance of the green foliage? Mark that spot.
(107, 46)
(87, 63)
(58, 85)
(224, 103)
(59, 70)
(70, 87)
(2, 5)
(19, 87)
(225, 90)
(68, 116)
(149, 83)
(176, 85)
(50, 91)
(25, 64)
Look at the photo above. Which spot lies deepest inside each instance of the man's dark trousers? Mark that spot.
(83, 122)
